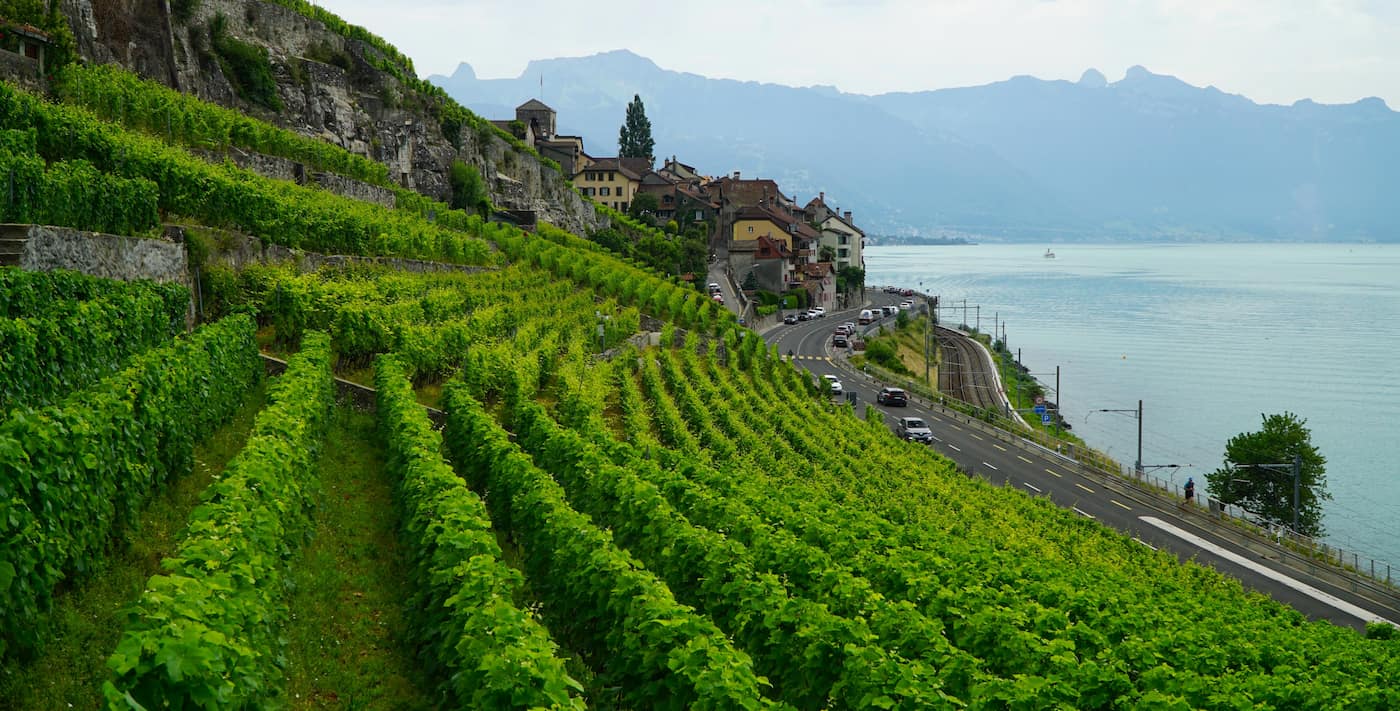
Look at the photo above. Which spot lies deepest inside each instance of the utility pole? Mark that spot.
(1139, 418)
(1059, 408)
(1297, 486)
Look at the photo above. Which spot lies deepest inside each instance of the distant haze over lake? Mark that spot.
(1147, 157)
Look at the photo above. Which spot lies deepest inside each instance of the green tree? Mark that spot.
(468, 189)
(612, 240)
(643, 207)
(634, 138)
(826, 254)
(850, 279)
(1268, 491)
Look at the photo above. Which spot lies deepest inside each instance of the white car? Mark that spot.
(818, 311)
(833, 384)
(906, 305)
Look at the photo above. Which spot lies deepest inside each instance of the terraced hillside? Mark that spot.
(599, 523)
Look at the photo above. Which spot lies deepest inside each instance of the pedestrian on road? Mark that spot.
(1190, 490)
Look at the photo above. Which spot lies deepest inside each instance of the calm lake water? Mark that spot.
(1209, 337)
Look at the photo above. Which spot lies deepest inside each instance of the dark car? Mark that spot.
(839, 341)
(893, 397)
(790, 318)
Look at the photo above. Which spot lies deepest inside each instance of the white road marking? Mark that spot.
(1031, 486)
(1121, 505)
(1270, 573)
(1145, 543)
(992, 466)
(1027, 461)
(1052, 471)
(1082, 513)
(954, 447)
(999, 447)
(1083, 487)
(973, 435)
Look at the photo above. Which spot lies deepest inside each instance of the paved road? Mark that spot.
(1151, 519)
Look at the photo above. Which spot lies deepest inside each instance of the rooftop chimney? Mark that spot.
(821, 197)
(848, 215)
(736, 175)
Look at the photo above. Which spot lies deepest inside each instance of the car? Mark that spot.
(839, 341)
(819, 311)
(866, 316)
(850, 327)
(804, 316)
(914, 429)
(889, 310)
(842, 330)
(892, 397)
(907, 292)
(790, 318)
(906, 305)
(834, 385)
(718, 297)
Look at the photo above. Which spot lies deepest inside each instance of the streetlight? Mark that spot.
(1296, 467)
(1137, 466)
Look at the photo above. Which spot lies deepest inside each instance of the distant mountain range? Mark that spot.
(1147, 158)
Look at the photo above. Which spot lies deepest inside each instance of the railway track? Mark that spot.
(964, 372)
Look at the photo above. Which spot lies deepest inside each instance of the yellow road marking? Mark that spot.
(1027, 461)
(1083, 487)
(1121, 505)
(1052, 471)
(999, 447)
(973, 435)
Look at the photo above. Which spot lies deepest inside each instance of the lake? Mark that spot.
(1209, 337)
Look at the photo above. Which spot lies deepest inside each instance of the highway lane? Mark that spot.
(1148, 518)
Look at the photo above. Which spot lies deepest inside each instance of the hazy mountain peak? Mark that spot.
(1093, 79)
(464, 72)
(614, 63)
(1137, 72)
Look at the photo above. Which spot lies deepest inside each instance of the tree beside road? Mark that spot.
(1258, 473)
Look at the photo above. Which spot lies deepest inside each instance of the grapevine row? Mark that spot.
(623, 621)
(814, 658)
(74, 194)
(221, 195)
(75, 475)
(207, 633)
(76, 343)
(496, 655)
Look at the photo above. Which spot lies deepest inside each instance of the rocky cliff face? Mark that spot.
(328, 86)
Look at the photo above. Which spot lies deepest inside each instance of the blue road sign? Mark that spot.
(1045, 419)
(1039, 409)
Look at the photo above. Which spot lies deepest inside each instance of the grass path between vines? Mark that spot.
(88, 621)
(347, 639)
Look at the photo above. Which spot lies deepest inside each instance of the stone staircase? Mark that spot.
(12, 241)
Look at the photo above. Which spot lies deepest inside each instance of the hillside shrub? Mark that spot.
(245, 65)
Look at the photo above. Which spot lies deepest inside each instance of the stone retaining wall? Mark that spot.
(48, 248)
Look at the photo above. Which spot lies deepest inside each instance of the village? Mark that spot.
(774, 251)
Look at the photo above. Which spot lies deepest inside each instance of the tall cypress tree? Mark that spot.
(634, 138)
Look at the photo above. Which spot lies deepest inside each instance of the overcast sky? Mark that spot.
(1273, 51)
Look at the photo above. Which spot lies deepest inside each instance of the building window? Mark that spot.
(844, 240)
(750, 229)
(611, 177)
(697, 215)
(843, 253)
(605, 191)
(624, 207)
